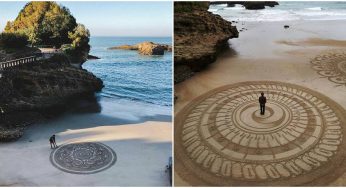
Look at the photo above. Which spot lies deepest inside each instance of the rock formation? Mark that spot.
(124, 47)
(250, 5)
(47, 85)
(90, 57)
(6, 55)
(149, 48)
(145, 48)
(38, 88)
(198, 37)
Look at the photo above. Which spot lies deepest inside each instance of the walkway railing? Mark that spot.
(16, 62)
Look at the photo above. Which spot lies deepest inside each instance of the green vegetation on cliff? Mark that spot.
(45, 23)
(13, 40)
(79, 48)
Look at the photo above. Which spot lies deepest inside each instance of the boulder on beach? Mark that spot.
(145, 48)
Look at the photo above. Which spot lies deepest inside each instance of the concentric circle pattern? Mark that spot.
(83, 158)
(331, 65)
(222, 139)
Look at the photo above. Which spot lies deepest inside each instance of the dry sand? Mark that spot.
(267, 51)
(142, 150)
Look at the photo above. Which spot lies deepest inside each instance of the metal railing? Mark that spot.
(16, 62)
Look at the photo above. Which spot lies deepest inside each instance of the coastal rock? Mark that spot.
(149, 48)
(92, 57)
(12, 126)
(124, 47)
(250, 5)
(42, 87)
(9, 54)
(146, 48)
(198, 37)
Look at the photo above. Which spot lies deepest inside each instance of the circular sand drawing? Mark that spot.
(331, 65)
(83, 158)
(221, 138)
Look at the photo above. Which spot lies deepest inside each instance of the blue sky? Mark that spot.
(110, 18)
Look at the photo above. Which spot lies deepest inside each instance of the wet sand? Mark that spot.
(267, 51)
(142, 146)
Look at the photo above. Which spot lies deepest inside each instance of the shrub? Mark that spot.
(44, 22)
(13, 40)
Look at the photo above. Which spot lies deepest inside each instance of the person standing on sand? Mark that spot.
(262, 100)
(52, 142)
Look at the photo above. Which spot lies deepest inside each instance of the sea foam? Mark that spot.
(286, 11)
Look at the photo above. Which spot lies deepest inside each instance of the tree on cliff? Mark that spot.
(79, 48)
(44, 23)
(13, 40)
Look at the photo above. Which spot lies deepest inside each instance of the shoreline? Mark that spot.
(146, 143)
(258, 55)
(142, 143)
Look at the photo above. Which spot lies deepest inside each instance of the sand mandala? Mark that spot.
(331, 65)
(83, 158)
(221, 138)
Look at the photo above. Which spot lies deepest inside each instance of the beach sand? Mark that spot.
(142, 148)
(267, 51)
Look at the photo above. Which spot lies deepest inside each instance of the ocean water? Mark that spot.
(285, 11)
(133, 83)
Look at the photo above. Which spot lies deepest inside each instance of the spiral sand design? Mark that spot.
(331, 65)
(221, 138)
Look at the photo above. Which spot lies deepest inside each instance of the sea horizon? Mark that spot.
(285, 11)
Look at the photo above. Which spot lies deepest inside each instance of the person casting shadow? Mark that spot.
(52, 142)
(262, 100)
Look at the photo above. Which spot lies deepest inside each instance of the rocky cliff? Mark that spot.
(198, 37)
(38, 88)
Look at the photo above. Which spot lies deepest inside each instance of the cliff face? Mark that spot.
(198, 37)
(9, 54)
(46, 86)
(40, 87)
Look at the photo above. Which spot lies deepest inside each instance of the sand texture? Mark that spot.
(141, 152)
(221, 139)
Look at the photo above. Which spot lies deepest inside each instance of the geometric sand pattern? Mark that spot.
(331, 65)
(83, 158)
(221, 138)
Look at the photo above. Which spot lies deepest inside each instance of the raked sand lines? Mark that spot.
(331, 65)
(83, 158)
(221, 138)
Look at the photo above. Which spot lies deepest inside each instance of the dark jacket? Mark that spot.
(52, 139)
(262, 100)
